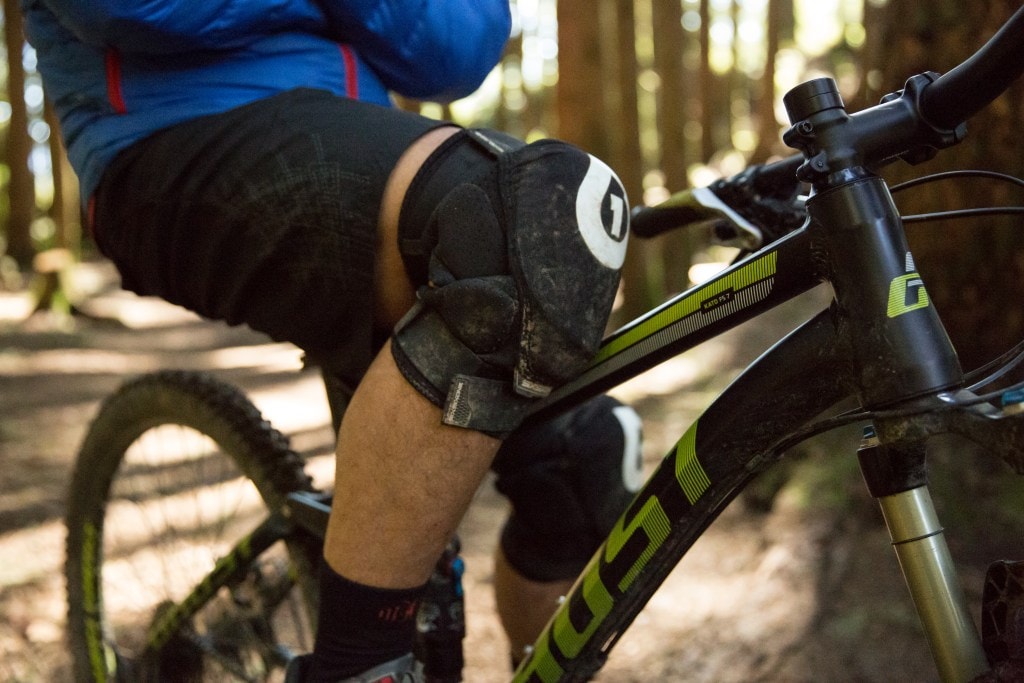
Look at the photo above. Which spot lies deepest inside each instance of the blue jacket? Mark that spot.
(118, 70)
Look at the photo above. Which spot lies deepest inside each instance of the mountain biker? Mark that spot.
(242, 158)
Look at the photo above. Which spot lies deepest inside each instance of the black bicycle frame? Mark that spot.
(880, 341)
(743, 291)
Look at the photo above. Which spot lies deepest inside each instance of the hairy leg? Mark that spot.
(524, 605)
(403, 482)
(404, 479)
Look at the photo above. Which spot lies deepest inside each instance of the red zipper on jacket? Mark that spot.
(114, 96)
(351, 72)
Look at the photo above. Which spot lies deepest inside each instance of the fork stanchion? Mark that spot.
(896, 478)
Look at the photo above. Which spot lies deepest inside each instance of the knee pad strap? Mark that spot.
(477, 396)
(468, 156)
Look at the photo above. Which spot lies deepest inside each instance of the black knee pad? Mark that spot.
(518, 248)
(568, 480)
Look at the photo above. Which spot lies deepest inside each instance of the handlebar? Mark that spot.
(678, 210)
(927, 115)
(966, 89)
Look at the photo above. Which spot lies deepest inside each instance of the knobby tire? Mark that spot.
(241, 469)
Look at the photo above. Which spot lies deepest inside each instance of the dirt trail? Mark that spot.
(807, 591)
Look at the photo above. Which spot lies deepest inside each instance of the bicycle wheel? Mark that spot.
(173, 570)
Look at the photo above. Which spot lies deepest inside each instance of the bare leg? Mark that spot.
(524, 605)
(403, 482)
(404, 479)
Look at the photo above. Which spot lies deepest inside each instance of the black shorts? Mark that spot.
(264, 215)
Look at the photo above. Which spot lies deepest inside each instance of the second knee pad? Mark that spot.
(568, 480)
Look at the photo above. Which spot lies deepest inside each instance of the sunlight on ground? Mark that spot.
(137, 312)
(31, 553)
(321, 468)
(270, 357)
(295, 406)
(14, 306)
(671, 376)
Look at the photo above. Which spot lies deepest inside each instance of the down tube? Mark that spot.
(796, 380)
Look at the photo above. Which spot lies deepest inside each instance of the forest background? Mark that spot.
(672, 93)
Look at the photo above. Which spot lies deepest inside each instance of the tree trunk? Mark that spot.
(769, 138)
(669, 41)
(623, 116)
(641, 286)
(54, 263)
(666, 17)
(707, 85)
(21, 188)
(581, 76)
(66, 208)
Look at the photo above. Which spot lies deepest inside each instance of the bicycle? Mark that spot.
(880, 341)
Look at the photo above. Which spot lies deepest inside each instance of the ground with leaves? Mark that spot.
(795, 583)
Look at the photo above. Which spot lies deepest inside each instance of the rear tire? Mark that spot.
(176, 469)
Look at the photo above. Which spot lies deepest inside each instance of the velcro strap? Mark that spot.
(438, 364)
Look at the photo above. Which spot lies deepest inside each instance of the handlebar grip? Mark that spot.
(649, 221)
(966, 89)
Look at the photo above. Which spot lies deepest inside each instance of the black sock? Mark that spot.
(360, 626)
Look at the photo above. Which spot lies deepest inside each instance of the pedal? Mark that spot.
(1002, 612)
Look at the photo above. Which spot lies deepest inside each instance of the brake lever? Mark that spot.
(728, 228)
